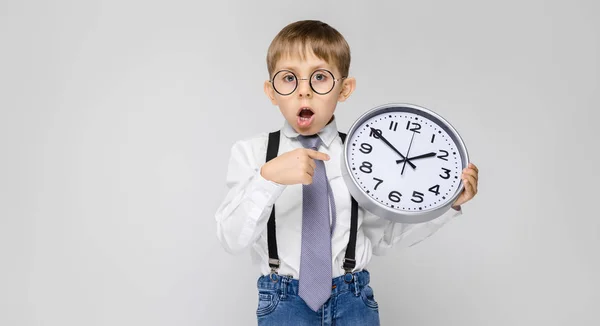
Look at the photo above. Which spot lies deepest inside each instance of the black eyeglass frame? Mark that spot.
(309, 81)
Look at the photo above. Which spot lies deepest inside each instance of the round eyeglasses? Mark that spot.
(321, 82)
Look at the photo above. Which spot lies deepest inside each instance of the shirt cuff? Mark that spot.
(265, 192)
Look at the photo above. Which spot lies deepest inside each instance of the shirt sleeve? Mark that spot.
(245, 211)
(385, 234)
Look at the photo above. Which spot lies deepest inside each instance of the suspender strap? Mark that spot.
(272, 149)
(349, 260)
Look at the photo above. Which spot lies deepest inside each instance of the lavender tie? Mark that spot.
(315, 261)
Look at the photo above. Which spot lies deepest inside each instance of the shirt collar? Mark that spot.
(327, 134)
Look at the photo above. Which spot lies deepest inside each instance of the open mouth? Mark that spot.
(305, 113)
(305, 116)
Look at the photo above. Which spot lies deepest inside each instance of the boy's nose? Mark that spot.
(304, 89)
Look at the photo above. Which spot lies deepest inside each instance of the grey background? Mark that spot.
(116, 120)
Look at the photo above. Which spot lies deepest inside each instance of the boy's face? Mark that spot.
(321, 107)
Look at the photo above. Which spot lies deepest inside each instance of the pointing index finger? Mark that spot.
(317, 155)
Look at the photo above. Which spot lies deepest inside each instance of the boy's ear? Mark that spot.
(270, 92)
(348, 87)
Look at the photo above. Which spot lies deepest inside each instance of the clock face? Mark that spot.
(376, 157)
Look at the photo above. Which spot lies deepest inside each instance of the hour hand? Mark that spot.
(379, 134)
(417, 157)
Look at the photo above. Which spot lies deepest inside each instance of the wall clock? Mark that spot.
(403, 162)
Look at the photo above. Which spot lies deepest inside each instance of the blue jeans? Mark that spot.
(351, 302)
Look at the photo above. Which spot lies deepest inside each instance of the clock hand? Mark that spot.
(408, 151)
(391, 146)
(418, 157)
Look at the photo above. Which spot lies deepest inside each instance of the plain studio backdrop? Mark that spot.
(117, 119)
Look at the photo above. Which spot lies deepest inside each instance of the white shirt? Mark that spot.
(243, 215)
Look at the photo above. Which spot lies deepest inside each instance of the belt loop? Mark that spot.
(356, 289)
(284, 284)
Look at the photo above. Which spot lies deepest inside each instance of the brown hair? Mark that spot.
(303, 36)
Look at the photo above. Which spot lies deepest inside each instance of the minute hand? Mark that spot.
(392, 147)
(418, 157)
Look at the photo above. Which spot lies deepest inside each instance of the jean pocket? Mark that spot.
(368, 298)
(267, 302)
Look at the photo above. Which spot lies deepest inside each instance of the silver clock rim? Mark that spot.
(379, 209)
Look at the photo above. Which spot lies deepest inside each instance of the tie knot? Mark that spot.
(312, 141)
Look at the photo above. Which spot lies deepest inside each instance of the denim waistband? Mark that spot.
(348, 282)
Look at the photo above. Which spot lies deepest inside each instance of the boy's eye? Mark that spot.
(319, 76)
(288, 78)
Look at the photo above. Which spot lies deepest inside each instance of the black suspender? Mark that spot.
(272, 149)
(349, 260)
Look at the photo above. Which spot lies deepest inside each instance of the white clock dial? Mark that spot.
(381, 172)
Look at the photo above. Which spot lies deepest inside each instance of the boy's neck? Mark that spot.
(333, 116)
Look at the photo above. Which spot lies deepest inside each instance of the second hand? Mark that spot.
(407, 152)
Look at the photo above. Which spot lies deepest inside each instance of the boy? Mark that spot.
(307, 281)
